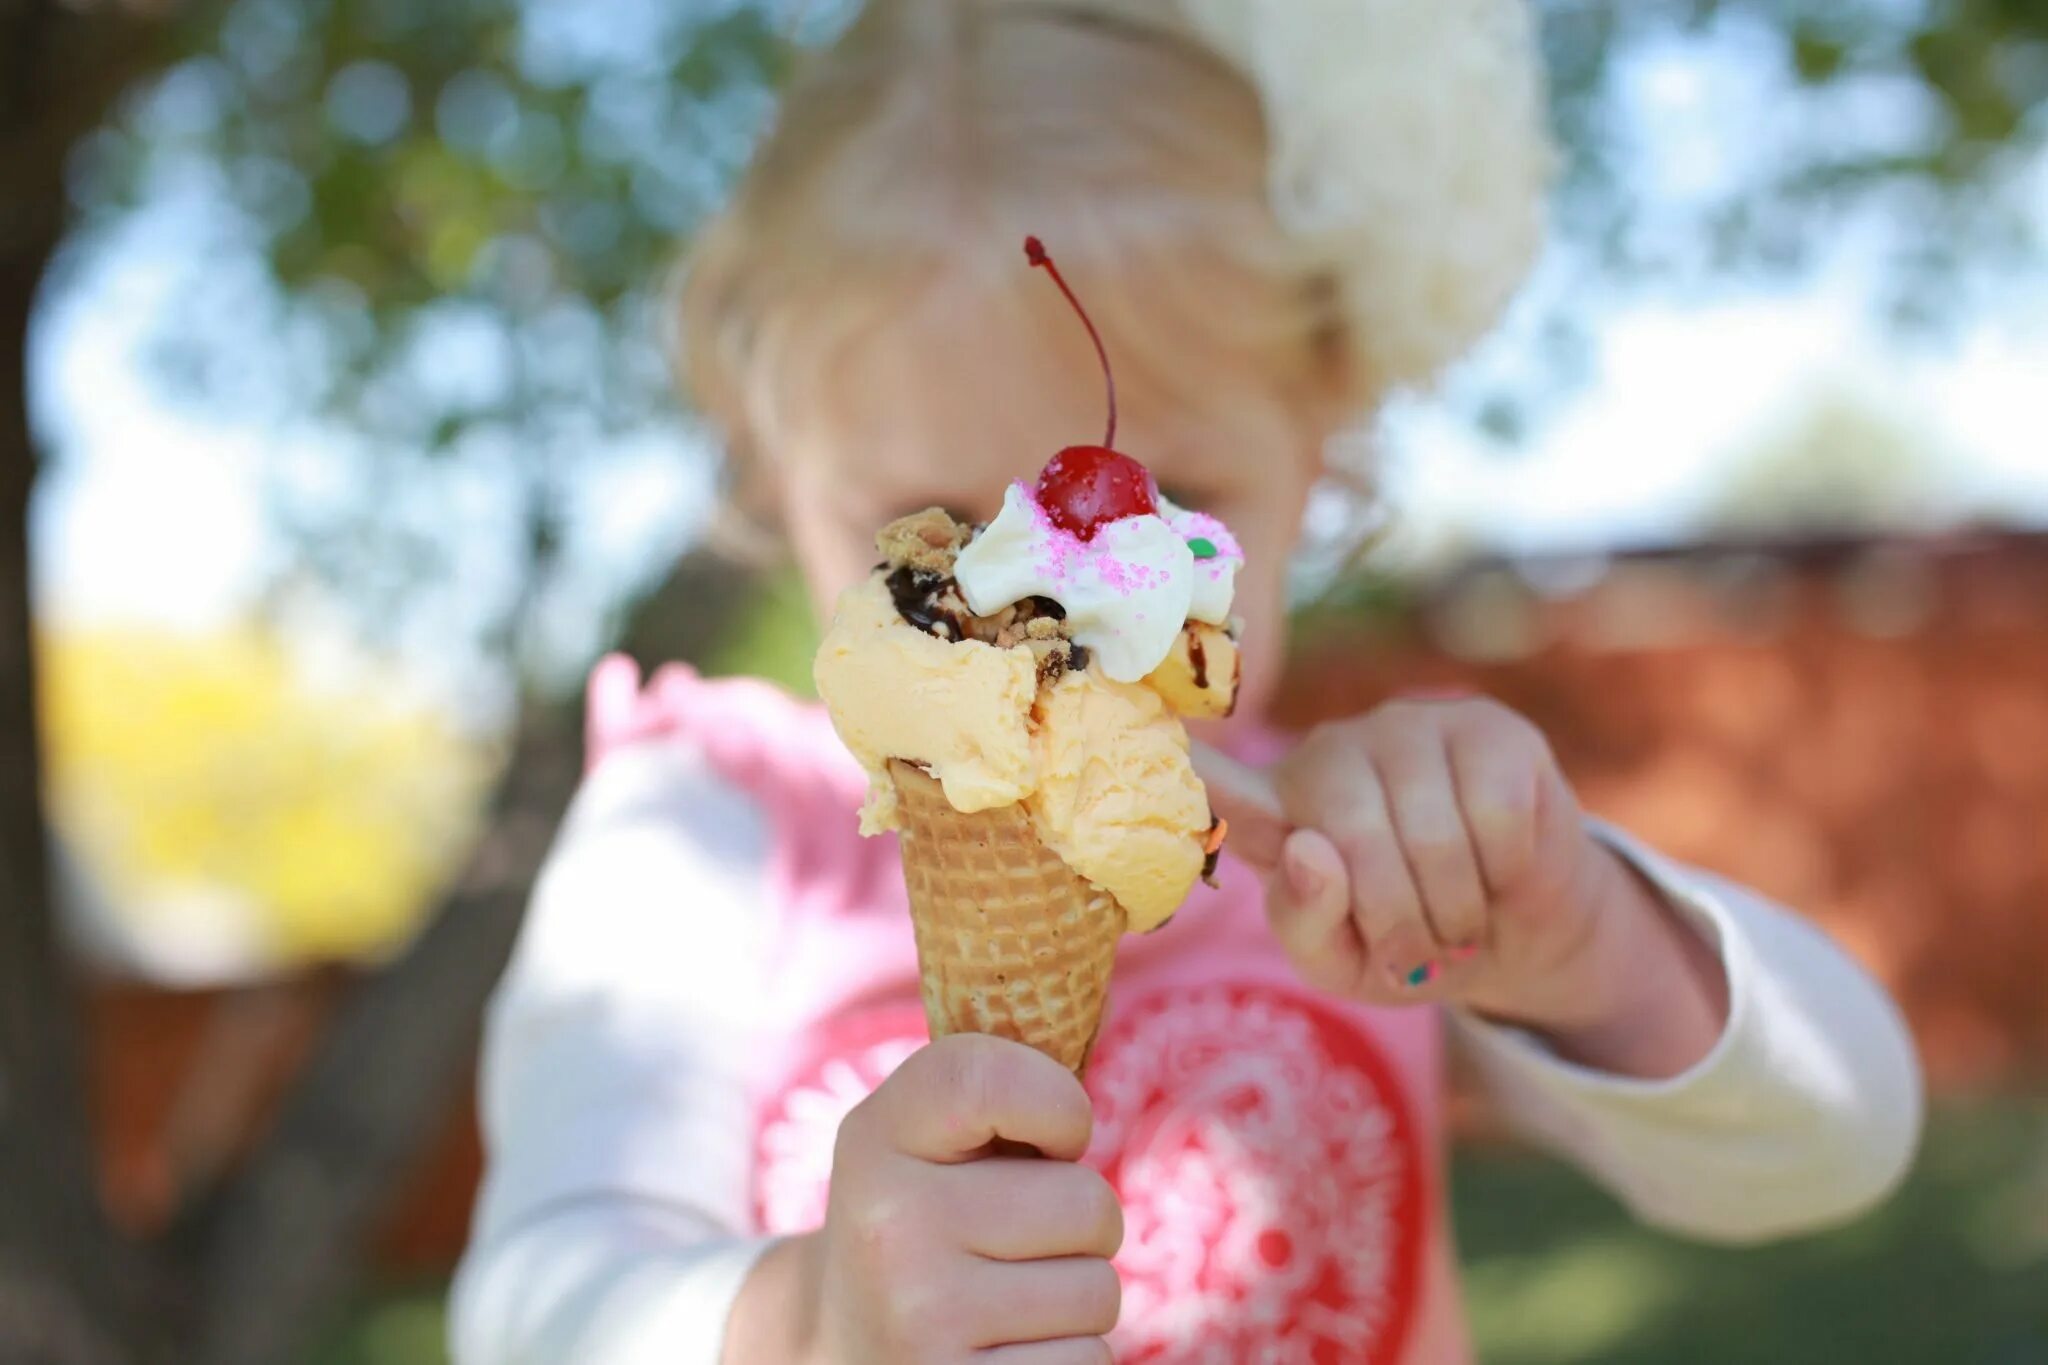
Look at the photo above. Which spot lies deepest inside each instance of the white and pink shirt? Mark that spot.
(716, 968)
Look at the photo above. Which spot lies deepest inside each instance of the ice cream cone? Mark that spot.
(1010, 940)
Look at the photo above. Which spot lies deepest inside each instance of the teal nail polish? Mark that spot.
(1422, 975)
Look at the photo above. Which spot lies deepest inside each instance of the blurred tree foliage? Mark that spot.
(1928, 110)
(439, 231)
(443, 228)
(1845, 463)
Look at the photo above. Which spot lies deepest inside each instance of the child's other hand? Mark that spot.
(938, 1249)
(1432, 850)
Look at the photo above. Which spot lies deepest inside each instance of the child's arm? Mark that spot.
(1805, 1113)
(1721, 1064)
(612, 1223)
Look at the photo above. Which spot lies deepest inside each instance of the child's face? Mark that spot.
(939, 437)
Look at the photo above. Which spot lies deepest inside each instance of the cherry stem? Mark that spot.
(1035, 252)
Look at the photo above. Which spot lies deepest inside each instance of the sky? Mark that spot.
(1681, 392)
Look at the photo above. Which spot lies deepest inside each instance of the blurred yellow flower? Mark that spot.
(214, 776)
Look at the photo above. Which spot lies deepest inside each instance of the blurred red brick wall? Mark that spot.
(1858, 729)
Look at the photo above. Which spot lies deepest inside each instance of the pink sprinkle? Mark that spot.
(1038, 514)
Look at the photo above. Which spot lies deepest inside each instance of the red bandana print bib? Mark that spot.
(1273, 1180)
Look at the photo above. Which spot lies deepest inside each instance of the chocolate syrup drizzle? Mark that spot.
(917, 594)
(1198, 660)
(926, 600)
(1045, 606)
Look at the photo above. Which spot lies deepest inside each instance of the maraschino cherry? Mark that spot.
(1083, 488)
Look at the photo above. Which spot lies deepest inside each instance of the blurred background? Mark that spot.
(338, 442)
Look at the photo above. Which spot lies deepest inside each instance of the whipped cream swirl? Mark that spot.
(1127, 591)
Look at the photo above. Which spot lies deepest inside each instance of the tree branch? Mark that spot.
(71, 1292)
(282, 1241)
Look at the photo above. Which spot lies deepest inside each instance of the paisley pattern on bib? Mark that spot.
(1273, 1180)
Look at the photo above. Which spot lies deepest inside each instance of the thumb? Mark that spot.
(1245, 797)
(1308, 902)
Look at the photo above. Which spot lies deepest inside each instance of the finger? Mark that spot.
(1424, 800)
(1308, 903)
(1497, 780)
(1245, 797)
(1350, 807)
(1024, 1210)
(1071, 1351)
(616, 715)
(1069, 1296)
(951, 1099)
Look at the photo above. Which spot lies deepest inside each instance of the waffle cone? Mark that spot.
(1010, 940)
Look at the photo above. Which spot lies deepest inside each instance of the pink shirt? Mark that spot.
(1278, 1153)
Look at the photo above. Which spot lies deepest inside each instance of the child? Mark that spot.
(716, 1131)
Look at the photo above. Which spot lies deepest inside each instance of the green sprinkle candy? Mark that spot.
(1203, 547)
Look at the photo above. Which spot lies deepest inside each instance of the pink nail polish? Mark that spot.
(1464, 952)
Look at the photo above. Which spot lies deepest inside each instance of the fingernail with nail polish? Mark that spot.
(1419, 976)
(1464, 952)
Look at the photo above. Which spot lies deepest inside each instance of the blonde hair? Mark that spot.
(911, 158)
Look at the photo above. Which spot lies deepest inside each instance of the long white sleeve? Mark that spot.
(611, 1225)
(1805, 1113)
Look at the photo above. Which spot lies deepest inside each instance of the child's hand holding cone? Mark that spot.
(937, 1249)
